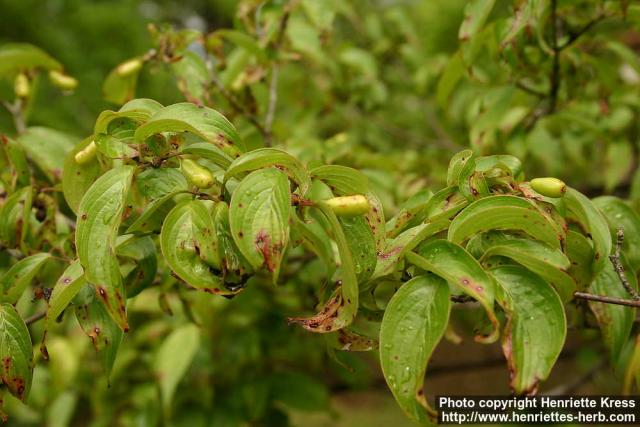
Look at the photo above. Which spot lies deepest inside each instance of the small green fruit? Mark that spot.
(129, 67)
(349, 205)
(86, 154)
(550, 187)
(21, 86)
(199, 176)
(62, 80)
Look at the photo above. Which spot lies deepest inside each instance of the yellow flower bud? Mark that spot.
(549, 187)
(199, 176)
(129, 67)
(21, 86)
(349, 205)
(62, 80)
(86, 154)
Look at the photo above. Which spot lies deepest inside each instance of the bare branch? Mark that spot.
(606, 300)
(33, 319)
(618, 267)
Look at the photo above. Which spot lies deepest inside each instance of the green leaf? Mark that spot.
(504, 213)
(549, 263)
(505, 162)
(192, 76)
(342, 180)
(99, 217)
(397, 248)
(461, 165)
(137, 110)
(119, 89)
(76, 178)
(203, 122)
(65, 289)
(444, 204)
(593, 223)
(342, 307)
(244, 41)
(157, 183)
(265, 157)
(536, 326)
(259, 216)
(16, 57)
(18, 173)
(580, 251)
(620, 215)
(476, 13)
(16, 280)
(413, 324)
(362, 245)
(98, 325)
(174, 358)
(48, 148)
(462, 271)
(235, 267)
(209, 152)
(16, 352)
(190, 246)
(14, 217)
(142, 251)
(154, 214)
(615, 321)
(407, 212)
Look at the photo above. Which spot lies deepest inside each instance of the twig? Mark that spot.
(35, 318)
(273, 83)
(271, 110)
(16, 110)
(606, 300)
(555, 66)
(617, 266)
(588, 26)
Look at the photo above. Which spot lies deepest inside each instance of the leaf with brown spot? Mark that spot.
(259, 218)
(592, 222)
(15, 281)
(100, 214)
(342, 307)
(98, 325)
(190, 246)
(505, 213)
(413, 324)
(536, 326)
(16, 353)
(266, 157)
(14, 217)
(203, 122)
(348, 340)
(462, 271)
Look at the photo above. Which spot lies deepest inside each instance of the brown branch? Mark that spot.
(554, 79)
(606, 300)
(588, 26)
(618, 267)
(33, 319)
(273, 84)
